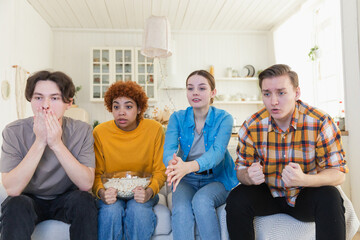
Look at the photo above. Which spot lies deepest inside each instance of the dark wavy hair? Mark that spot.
(62, 80)
(130, 90)
(279, 70)
(210, 78)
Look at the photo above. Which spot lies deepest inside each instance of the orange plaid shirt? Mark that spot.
(312, 140)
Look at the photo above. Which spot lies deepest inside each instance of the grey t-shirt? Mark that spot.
(50, 178)
(198, 146)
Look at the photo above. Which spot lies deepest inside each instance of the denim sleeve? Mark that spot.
(216, 152)
(171, 139)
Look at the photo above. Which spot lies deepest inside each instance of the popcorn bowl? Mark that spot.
(125, 182)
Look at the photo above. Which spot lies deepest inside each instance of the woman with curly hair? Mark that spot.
(199, 166)
(128, 143)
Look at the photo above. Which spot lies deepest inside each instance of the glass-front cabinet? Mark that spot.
(145, 73)
(100, 72)
(109, 65)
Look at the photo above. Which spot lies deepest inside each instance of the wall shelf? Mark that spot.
(237, 102)
(236, 79)
(172, 88)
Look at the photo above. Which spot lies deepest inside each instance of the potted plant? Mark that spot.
(77, 89)
(314, 53)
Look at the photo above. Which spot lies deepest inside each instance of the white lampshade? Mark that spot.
(156, 38)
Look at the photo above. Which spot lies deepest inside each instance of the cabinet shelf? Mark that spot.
(238, 102)
(173, 88)
(237, 79)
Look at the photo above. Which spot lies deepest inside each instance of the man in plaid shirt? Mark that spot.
(290, 157)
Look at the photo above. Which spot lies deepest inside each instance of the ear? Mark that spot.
(213, 93)
(297, 93)
(69, 104)
(139, 111)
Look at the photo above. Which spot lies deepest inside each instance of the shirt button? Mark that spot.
(284, 155)
(188, 145)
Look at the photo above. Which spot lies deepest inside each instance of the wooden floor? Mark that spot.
(357, 236)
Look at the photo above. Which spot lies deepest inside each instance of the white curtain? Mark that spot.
(20, 83)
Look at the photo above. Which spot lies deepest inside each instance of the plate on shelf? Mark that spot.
(251, 70)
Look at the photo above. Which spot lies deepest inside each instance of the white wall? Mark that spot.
(350, 10)
(26, 40)
(193, 51)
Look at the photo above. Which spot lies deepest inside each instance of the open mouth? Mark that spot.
(122, 121)
(196, 100)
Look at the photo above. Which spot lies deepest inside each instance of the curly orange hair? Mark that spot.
(130, 90)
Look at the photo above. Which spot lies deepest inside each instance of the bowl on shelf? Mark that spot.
(220, 97)
(125, 182)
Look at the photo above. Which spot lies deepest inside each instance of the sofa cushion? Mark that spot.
(51, 229)
(163, 218)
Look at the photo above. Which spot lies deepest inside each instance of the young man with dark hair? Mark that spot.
(290, 157)
(47, 164)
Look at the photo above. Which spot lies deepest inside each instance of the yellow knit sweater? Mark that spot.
(138, 150)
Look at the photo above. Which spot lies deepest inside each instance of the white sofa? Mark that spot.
(286, 226)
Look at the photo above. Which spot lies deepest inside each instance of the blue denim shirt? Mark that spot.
(217, 132)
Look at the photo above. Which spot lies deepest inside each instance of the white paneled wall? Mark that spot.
(26, 40)
(193, 51)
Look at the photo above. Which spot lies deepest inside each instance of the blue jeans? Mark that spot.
(196, 199)
(126, 218)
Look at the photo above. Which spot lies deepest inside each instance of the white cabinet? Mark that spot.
(239, 96)
(109, 65)
(238, 91)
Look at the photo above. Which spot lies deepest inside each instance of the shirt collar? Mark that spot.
(293, 123)
(190, 121)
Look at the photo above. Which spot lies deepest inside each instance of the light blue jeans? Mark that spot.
(196, 199)
(126, 218)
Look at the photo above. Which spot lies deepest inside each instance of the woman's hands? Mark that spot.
(177, 169)
(108, 196)
(142, 195)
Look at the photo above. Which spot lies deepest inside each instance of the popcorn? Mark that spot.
(126, 184)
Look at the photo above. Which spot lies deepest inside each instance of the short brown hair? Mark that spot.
(279, 70)
(210, 78)
(62, 80)
(130, 90)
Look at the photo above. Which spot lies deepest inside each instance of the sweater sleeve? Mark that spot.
(100, 164)
(158, 173)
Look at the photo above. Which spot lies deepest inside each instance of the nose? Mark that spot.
(274, 100)
(121, 112)
(46, 104)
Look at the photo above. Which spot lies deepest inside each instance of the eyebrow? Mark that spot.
(189, 84)
(53, 94)
(279, 89)
(127, 102)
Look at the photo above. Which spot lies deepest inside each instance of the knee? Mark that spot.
(237, 199)
(139, 210)
(19, 204)
(202, 202)
(331, 194)
(83, 203)
(181, 207)
(112, 211)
